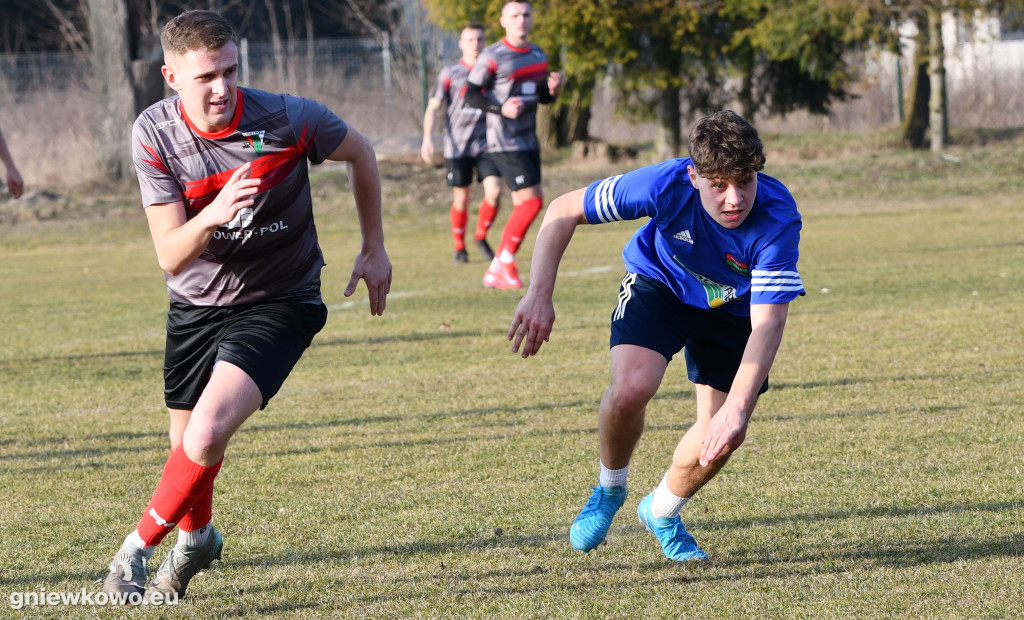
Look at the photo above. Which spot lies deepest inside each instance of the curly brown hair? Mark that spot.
(724, 145)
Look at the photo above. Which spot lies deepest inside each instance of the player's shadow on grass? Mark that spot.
(531, 574)
(426, 416)
(862, 554)
(18, 363)
(401, 337)
(496, 334)
(441, 439)
(862, 513)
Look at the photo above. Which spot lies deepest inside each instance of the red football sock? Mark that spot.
(201, 513)
(182, 484)
(518, 224)
(483, 223)
(459, 219)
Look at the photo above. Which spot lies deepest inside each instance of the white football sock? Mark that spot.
(665, 503)
(506, 256)
(196, 538)
(613, 477)
(137, 542)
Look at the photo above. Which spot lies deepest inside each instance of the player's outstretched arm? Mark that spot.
(729, 424)
(372, 264)
(531, 326)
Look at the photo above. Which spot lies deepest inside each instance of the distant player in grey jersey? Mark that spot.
(224, 178)
(508, 81)
(465, 146)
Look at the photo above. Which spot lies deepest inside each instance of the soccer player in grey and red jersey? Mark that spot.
(465, 146)
(509, 80)
(224, 178)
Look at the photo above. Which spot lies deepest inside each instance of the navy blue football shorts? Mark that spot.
(460, 170)
(265, 340)
(650, 315)
(520, 169)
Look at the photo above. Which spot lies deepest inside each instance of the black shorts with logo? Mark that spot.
(460, 170)
(650, 315)
(265, 340)
(521, 169)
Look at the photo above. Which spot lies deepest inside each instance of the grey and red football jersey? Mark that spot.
(505, 71)
(465, 133)
(270, 250)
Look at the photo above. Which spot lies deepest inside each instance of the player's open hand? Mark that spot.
(373, 266)
(531, 326)
(727, 430)
(236, 195)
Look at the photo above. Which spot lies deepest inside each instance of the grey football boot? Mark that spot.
(127, 574)
(182, 564)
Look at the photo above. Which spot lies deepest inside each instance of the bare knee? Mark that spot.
(626, 398)
(204, 444)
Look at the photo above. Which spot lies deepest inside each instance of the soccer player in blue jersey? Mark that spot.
(711, 273)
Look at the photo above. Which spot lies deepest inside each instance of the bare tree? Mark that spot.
(72, 36)
(938, 119)
(124, 82)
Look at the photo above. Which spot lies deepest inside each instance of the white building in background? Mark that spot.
(984, 70)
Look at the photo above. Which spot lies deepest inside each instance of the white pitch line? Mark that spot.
(348, 305)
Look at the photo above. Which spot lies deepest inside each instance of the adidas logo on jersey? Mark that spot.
(684, 235)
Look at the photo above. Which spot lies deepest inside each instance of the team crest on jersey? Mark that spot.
(736, 265)
(718, 294)
(255, 139)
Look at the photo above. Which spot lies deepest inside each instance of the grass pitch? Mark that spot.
(413, 467)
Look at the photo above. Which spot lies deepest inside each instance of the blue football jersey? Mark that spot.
(704, 263)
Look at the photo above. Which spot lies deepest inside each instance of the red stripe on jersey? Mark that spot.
(531, 72)
(157, 162)
(466, 64)
(492, 65)
(270, 170)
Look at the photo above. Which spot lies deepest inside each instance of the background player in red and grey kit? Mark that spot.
(509, 80)
(225, 186)
(465, 146)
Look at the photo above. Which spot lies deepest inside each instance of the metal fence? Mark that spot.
(47, 108)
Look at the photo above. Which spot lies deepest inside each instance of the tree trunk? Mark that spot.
(572, 122)
(938, 119)
(916, 125)
(667, 140)
(114, 86)
(745, 97)
(277, 45)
